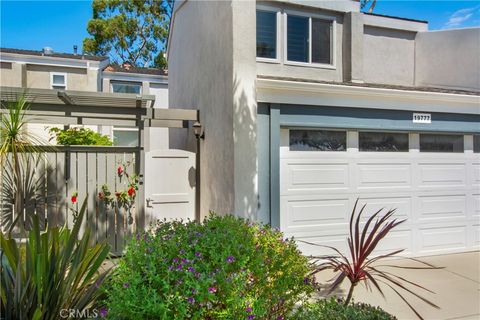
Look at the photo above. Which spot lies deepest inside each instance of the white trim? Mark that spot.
(278, 18)
(393, 23)
(134, 77)
(309, 93)
(333, 40)
(52, 85)
(112, 82)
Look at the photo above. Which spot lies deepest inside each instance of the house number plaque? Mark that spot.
(422, 118)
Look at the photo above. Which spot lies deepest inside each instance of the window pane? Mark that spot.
(476, 143)
(383, 141)
(266, 34)
(318, 140)
(441, 143)
(126, 87)
(58, 79)
(297, 39)
(321, 36)
(125, 138)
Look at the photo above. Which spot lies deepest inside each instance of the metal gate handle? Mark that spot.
(148, 202)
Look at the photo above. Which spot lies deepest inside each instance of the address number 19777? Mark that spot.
(422, 118)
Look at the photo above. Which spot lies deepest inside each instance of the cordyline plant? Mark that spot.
(19, 153)
(59, 270)
(360, 267)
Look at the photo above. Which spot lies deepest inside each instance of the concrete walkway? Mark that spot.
(457, 288)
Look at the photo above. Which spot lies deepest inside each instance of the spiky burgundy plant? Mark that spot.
(359, 267)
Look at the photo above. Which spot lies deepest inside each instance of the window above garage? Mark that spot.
(306, 39)
(317, 140)
(309, 39)
(383, 141)
(430, 142)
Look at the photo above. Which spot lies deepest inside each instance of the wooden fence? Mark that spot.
(83, 171)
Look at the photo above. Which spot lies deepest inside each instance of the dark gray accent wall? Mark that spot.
(263, 154)
(356, 118)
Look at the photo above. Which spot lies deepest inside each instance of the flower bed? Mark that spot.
(224, 268)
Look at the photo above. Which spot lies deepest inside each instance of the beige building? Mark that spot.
(46, 69)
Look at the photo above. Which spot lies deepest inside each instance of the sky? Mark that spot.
(62, 24)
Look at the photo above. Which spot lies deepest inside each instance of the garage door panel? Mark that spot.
(403, 206)
(443, 239)
(379, 176)
(476, 235)
(442, 207)
(305, 177)
(442, 175)
(337, 241)
(476, 174)
(396, 240)
(476, 206)
(312, 213)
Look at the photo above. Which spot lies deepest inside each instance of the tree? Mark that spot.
(370, 4)
(134, 31)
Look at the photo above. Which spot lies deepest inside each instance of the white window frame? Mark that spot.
(117, 128)
(333, 39)
(112, 82)
(278, 35)
(52, 85)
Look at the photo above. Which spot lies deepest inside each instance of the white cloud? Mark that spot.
(461, 16)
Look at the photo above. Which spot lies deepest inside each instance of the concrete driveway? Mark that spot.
(456, 287)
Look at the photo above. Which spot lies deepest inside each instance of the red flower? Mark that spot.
(74, 197)
(120, 170)
(131, 191)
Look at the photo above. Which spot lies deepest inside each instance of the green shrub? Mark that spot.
(79, 137)
(54, 270)
(336, 310)
(224, 268)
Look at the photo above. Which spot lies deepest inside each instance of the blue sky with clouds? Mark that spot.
(62, 24)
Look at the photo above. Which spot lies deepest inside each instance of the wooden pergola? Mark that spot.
(68, 107)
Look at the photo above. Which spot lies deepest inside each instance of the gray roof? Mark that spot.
(55, 54)
(378, 85)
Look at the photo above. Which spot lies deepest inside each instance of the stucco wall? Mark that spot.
(212, 68)
(245, 109)
(201, 77)
(448, 58)
(11, 74)
(38, 76)
(388, 56)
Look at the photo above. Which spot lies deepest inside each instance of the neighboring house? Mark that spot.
(128, 79)
(61, 71)
(307, 105)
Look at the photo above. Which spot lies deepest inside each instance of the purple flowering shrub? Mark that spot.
(223, 268)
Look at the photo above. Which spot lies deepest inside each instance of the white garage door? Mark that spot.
(432, 179)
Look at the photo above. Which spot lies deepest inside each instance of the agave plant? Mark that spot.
(361, 267)
(58, 271)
